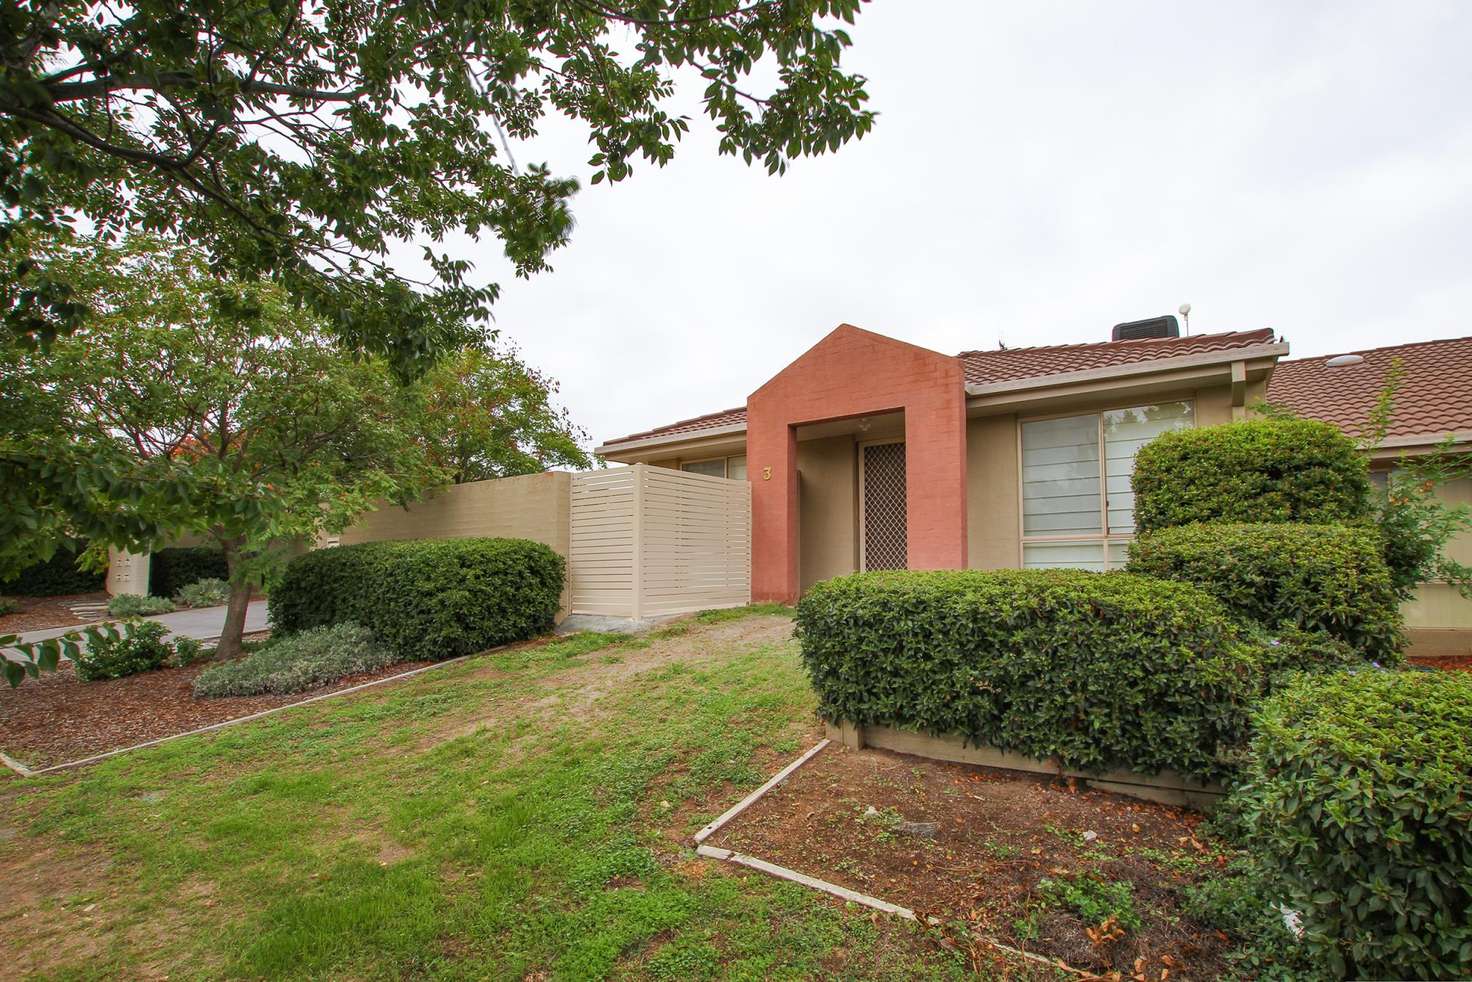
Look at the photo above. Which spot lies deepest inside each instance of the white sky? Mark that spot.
(1039, 172)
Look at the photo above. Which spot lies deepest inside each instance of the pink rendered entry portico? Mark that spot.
(853, 373)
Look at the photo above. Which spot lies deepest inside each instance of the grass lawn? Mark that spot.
(523, 814)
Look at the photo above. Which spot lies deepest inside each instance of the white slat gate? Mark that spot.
(648, 541)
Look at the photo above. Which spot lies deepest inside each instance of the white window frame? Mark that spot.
(1104, 539)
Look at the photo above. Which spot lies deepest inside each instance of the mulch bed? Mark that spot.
(59, 718)
(1451, 663)
(39, 613)
(999, 833)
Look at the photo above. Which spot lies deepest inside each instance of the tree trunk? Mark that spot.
(234, 629)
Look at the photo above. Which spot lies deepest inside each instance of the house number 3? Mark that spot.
(766, 473)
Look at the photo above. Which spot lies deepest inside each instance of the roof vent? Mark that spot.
(1343, 361)
(1155, 327)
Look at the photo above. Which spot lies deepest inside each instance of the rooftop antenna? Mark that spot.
(1186, 314)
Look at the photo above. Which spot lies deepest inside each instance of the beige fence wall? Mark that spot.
(649, 541)
(533, 506)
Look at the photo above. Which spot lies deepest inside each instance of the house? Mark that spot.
(871, 453)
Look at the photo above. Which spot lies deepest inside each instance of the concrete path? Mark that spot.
(203, 623)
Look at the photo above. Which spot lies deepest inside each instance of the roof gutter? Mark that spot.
(1225, 356)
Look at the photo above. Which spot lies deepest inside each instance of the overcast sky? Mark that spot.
(1039, 172)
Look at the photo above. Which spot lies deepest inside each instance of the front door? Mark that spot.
(882, 529)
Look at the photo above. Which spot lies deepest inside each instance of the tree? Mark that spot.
(297, 141)
(191, 404)
(488, 414)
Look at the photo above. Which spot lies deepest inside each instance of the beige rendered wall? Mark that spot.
(1438, 606)
(992, 521)
(827, 474)
(534, 506)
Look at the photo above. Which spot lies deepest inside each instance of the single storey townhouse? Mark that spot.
(871, 453)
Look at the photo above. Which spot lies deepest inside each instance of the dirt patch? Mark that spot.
(59, 718)
(40, 613)
(1031, 862)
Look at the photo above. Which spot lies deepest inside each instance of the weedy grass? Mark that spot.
(380, 836)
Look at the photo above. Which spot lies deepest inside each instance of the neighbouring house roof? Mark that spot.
(1007, 365)
(1435, 398)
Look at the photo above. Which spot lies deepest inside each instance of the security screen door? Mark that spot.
(882, 543)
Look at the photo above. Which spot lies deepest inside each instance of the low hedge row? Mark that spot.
(1098, 671)
(425, 598)
(1262, 470)
(1329, 578)
(1357, 791)
(56, 577)
(170, 570)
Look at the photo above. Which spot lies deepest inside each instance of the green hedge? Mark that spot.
(425, 598)
(1099, 670)
(1329, 578)
(170, 570)
(57, 576)
(1264, 470)
(1358, 792)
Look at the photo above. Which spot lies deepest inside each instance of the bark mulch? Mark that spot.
(39, 613)
(1451, 663)
(998, 834)
(59, 718)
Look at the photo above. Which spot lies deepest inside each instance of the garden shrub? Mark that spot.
(295, 662)
(172, 569)
(1097, 670)
(57, 576)
(187, 651)
(1261, 470)
(8, 606)
(112, 654)
(133, 605)
(1357, 793)
(1235, 900)
(1329, 578)
(209, 592)
(425, 598)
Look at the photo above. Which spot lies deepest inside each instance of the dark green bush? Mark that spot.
(425, 598)
(1358, 794)
(8, 606)
(1097, 670)
(57, 576)
(1329, 578)
(170, 570)
(296, 662)
(1262, 470)
(111, 653)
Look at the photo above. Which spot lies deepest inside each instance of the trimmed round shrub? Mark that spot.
(112, 654)
(425, 598)
(133, 605)
(296, 662)
(1096, 670)
(57, 576)
(170, 570)
(1329, 578)
(208, 592)
(1260, 470)
(1358, 793)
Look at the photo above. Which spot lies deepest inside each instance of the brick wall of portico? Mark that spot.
(851, 373)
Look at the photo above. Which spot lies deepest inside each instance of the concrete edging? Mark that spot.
(1166, 788)
(833, 889)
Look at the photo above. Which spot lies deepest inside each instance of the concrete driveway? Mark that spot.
(203, 623)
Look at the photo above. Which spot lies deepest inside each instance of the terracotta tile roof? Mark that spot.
(1013, 364)
(1435, 397)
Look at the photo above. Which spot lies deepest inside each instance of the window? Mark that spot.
(1077, 506)
(732, 467)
